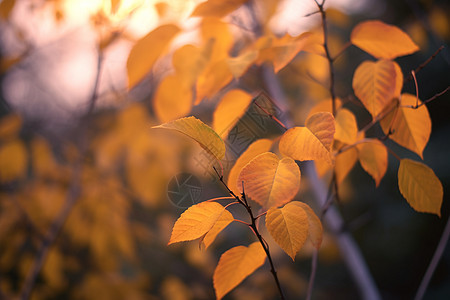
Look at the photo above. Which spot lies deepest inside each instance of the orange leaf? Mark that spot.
(288, 226)
(189, 61)
(173, 98)
(235, 265)
(147, 50)
(382, 40)
(214, 78)
(345, 162)
(218, 31)
(374, 84)
(256, 148)
(196, 221)
(315, 229)
(230, 109)
(224, 220)
(420, 186)
(398, 80)
(200, 132)
(217, 8)
(311, 142)
(373, 157)
(13, 160)
(325, 106)
(411, 127)
(269, 181)
(238, 65)
(346, 127)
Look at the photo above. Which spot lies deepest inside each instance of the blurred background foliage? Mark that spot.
(76, 150)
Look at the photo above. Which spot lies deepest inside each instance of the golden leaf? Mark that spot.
(256, 148)
(147, 50)
(312, 142)
(189, 61)
(325, 106)
(230, 109)
(346, 127)
(217, 8)
(235, 265)
(374, 84)
(315, 229)
(373, 157)
(173, 98)
(270, 181)
(224, 220)
(420, 186)
(212, 80)
(398, 80)
(239, 65)
(199, 132)
(382, 40)
(344, 163)
(13, 160)
(411, 127)
(288, 226)
(196, 221)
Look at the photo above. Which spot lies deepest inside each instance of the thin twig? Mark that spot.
(434, 262)
(429, 99)
(422, 65)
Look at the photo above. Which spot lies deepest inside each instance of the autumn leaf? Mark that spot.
(214, 78)
(200, 132)
(344, 163)
(325, 106)
(398, 80)
(196, 221)
(235, 265)
(173, 98)
(230, 109)
(216, 8)
(411, 127)
(256, 148)
(288, 226)
(374, 84)
(13, 160)
(315, 229)
(382, 40)
(270, 181)
(238, 65)
(189, 61)
(420, 186)
(346, 127)
(312, 142)
(222, 222)
(147, 50)
(373, 157)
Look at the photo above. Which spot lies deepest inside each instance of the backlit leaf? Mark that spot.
(288, 226)
(147, 50)
(325, 106)
(200, 132)
(13, 160)
(344, 163)
(373, 157)
(238, 65)
(420, 186)
(230, 109)
(217, 8)
(398, 80)
(346, 127)
(382, 40)
(270, 181)
(411, 127)
(374, 84)
(256, 148)
(312, 142)
(196, 221)
(315, 229)
(189, 61)
(214, 78)
(224, 220)
(173, 98)
(235, 265)
(222, 40)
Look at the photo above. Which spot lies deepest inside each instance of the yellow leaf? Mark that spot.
(189, 61)
(420, 187)
(411, 127)
(312, 142)
(173, 98)
(374, 84)
(382, 40)
(224, 220)
(256, 148)
(200, 132)
(196, 221)
(147, 50)
(346, 127)
(315, 229)
(288, 226)
(235, 265)
(218, 31)
(214, 78)
(230, 109)
(280, 51)
(398, 80)
(325, 106)
(217, 8)
(13, 161)
(373, 157)
(238, 65)
(344, 163)
(270, 181)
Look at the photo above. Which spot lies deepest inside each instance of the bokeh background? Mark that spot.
(85, 181)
